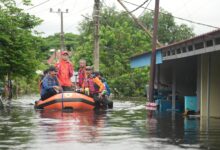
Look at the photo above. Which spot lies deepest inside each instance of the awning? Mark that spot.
(145, 59)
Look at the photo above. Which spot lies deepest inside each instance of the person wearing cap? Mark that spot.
(100, 76)
(65, 71)
(94, 87)
(50, 84)
(82, 71)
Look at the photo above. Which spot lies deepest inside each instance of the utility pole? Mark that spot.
(96, 13)
(62, 45)
(153, 56)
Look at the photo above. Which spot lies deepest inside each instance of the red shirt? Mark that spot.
(65, 72)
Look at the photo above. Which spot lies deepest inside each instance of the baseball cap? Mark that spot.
(64, 52)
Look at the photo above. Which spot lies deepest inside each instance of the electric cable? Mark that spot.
(194, 22)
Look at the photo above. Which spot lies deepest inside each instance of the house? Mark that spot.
(189, 68)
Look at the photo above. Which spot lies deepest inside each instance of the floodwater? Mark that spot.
(128, 126)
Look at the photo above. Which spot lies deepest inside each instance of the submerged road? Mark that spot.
(128, 126)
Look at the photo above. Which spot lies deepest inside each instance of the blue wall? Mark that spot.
(145, 60)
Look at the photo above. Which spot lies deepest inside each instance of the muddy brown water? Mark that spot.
(128, 126)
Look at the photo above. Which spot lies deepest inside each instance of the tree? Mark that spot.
(19, 48)
(168, 31)
(53, 41)
(121, 38)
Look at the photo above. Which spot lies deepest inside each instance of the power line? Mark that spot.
(46, 9)
(198, 23)
(145, 8)
(38, 5)
(62, 45)
(76, 12)
(139, 6)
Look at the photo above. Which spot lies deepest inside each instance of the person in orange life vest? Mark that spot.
(92, 83)
(94, 87)
(65, 71)
(82, 72)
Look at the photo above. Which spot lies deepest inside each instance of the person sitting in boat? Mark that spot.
(100, 76)
(82, 72)
(50, 84)
(40, 82)
(65, 71)
(93, 87)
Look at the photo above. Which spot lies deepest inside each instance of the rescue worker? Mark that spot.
(82, 71)
(65, 71)
(50, 84)
(100, 76)
(94, 87)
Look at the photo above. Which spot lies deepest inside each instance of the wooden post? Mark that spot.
(174, 89)
(153, 56)
(96, 14)
(62, 44)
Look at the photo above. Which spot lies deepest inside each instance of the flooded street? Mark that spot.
(127, 126)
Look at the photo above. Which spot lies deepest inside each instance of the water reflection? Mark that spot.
(128, 126)
(77, 126)
(14, 125)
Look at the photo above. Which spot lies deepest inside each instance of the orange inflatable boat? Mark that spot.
(68, 100)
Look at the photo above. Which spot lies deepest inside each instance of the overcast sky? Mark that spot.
(203, 11)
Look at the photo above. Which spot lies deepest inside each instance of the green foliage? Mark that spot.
(121, 38)
(22, 53)
(20, 50)
(168, 31)
(53, 41)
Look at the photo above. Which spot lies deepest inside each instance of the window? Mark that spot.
(217, 41)
(209, 43)
(173, 52)
(199, 45)
(190, 48)
(178, 51)
(184, 49)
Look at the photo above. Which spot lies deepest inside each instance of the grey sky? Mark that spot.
(204, 11)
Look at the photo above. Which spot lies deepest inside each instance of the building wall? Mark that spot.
(185, 72)
(210, 84)
(215, 85)
(204, 84)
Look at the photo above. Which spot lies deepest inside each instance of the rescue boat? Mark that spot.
(68, 100)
